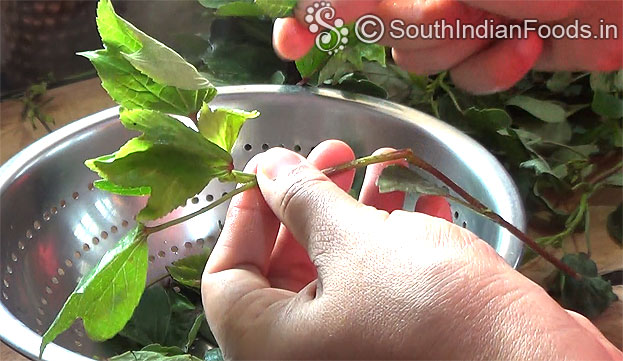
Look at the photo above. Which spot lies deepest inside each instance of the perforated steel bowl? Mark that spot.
(55, 226)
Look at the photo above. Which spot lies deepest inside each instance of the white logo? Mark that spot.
(334, 36)
(369, 29)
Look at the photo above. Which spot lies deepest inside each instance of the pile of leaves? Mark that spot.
(548, 145)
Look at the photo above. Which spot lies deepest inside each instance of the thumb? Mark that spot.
(324, 219)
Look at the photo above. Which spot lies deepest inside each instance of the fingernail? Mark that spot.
(278, 162)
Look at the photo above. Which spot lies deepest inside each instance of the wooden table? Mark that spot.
(74, 101)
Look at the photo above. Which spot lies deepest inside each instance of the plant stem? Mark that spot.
(165, 276)
(471, 202)
(409, 156)
(223, 199)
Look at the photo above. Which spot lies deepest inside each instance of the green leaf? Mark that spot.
(615, 224)
(239, 8)
(174, 161)
(124, 191)
(238, 54)
(607, 105)
(276, 8)
(559, 81)
(166, 318)
(589, 296)
(608, 82)
(545, 110)
(106, 297)
(163, 350)
(151, 356)
(488, 119)
(134, 90)
(214, 354)
(221, 126)
(312, 62)
(397, 178)
(188, 270)
(149, 56)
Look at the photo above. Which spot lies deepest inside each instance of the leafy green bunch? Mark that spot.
(170, 162)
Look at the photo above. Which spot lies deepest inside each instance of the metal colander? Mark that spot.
(55, 225)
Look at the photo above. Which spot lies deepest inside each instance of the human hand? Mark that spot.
(355, 281)
(478, 65)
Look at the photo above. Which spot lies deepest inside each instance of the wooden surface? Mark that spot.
(77, 100)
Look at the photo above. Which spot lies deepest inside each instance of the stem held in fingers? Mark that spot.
(407, 154)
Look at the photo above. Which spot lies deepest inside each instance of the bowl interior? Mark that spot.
(55, 226)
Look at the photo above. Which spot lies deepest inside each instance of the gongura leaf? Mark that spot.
(239, 8)
(589, 296)
(146, 54)
(607, 105)
(106, 297)
(221, 126)
(188, 270)
(134, 90)
(151, 356)
(276, 8)
(174, 161)
(398, 178)
(545, 110)
(176, 325)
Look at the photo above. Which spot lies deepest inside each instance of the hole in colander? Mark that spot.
(46, 216)
(5, 296)
(48, 290)
(77, 254)
(104, 234)
(265, 146)
(95, 241)
(29, 234)
(63, 203)
(86, 247)
(456, 214)
(124, 223)
(75, 195)
(195, 200)
(40, 310)
(44, 301)
(68, 263)
(177, 289)
(113, 229)
(161, 254)
(55, 280)
(13, 257)
(78, 332)
(6, 283)
(54, 210)
(224, 194)
(209, 198)
(464, 224)
(39, 322)
(200, 242)
(297, 148)
(174, 249)
(151, 258)
(9, 270)
(60, 271)
(188, 245)
(248, 147)
(78, 343)
(90, 186)
(36, 225)
(20, 245)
